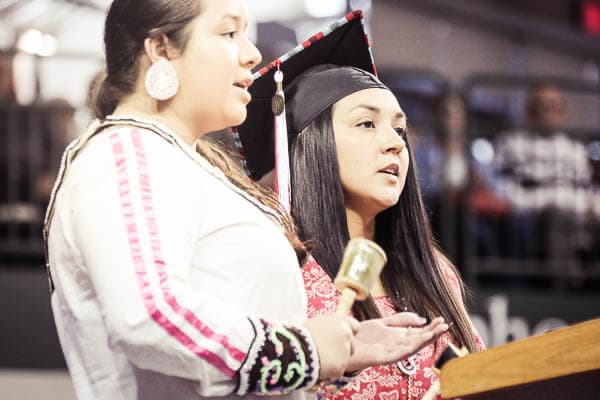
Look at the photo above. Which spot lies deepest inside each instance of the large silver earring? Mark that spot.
(161, 81)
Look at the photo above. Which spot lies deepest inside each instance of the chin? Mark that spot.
(236, 117)
(387, 202)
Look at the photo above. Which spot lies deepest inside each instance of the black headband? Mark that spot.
(319, 88)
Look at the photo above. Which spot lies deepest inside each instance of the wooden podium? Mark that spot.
(562, 364)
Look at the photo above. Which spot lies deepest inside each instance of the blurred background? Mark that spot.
(503, 101)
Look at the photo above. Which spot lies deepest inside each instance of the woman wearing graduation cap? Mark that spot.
(173, 276)
(352, 176)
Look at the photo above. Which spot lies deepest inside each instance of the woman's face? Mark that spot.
(370, 134)
(215, 69)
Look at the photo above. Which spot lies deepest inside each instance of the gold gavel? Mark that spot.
(361, 265)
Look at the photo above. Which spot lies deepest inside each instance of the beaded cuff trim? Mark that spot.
(281, 359)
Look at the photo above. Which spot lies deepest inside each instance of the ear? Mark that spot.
(156, 48)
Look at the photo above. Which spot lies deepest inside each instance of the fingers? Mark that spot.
(414, 323)
(440, 329)
(344, 343)
(437, 321)
(404, 319)
(437, 326)
(420, 337)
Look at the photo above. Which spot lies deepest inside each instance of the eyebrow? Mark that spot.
(236, 18)
(376, 110)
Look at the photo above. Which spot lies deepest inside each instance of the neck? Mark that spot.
(359, 225)
(145, 107)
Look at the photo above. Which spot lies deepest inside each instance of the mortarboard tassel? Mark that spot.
(282, 161)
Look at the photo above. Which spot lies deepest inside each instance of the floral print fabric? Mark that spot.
(384, 382)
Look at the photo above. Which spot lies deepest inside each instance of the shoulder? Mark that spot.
(162, 155)
(447, 269)
(135, 158)
(450, 274)
(118, 140)
(139, 142)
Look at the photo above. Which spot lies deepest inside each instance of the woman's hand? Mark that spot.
(333, 336)
(388, 340)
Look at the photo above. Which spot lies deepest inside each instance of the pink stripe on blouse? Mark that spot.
(140, 267)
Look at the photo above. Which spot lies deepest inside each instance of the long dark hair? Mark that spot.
(124, 38)
(413, 276)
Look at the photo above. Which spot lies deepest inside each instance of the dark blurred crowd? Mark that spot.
(522, 202)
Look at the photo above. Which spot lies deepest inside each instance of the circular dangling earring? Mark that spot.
(161, 81)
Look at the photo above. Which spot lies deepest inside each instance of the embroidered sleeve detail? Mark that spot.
(281, 359)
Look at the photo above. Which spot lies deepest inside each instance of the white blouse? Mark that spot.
(159, 266)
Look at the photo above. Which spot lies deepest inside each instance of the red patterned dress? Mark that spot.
(386, 382)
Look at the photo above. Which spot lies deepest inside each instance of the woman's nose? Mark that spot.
(395, 143)
(250, 56)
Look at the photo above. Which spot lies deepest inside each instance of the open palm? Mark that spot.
(388, 340)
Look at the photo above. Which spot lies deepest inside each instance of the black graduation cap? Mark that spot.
(344, 43)
(312, 82)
